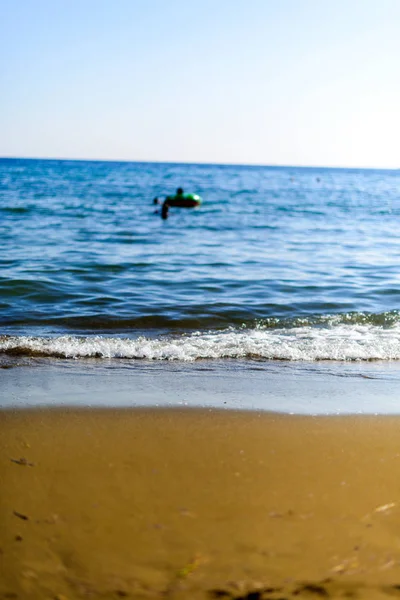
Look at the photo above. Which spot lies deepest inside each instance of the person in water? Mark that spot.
(165, 209)
(165, 206)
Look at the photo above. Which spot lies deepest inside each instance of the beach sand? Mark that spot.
(191, 503)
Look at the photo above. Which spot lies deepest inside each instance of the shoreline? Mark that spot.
(298, 388)
(197, 503)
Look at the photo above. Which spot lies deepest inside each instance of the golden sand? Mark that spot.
(189, 504)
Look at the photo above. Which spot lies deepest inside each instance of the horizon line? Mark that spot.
(218, 164)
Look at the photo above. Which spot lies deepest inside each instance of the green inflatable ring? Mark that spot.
(184, 200)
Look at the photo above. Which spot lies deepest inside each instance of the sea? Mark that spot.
(282, 271)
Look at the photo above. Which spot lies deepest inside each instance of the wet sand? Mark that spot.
(190, 503)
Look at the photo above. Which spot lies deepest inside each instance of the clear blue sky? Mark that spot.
(299, 82)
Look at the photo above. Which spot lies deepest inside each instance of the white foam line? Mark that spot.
(344, 342)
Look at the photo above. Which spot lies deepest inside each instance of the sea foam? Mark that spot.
(338, 343)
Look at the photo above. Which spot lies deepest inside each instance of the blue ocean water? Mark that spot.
(278, 263)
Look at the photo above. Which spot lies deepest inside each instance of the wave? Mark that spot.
(18, 210)
(194, 318)
(340, 342)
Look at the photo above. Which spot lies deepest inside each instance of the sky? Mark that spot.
(270, 82)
